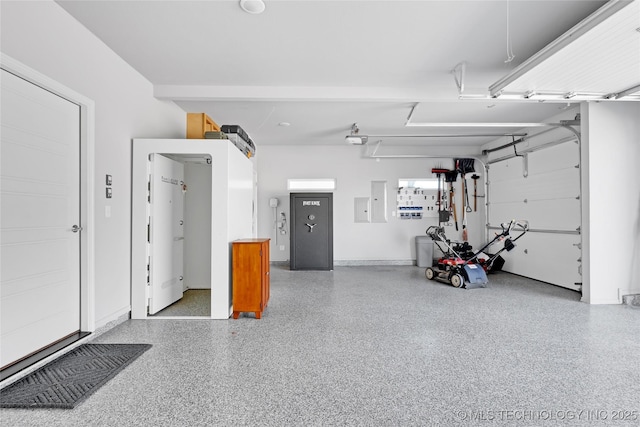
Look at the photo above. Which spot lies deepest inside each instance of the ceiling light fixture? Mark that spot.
(409, 123)
(252, 6)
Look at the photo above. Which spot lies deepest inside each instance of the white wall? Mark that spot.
(197, 231)
(232, 219)
(363, 242)
(46, 38)
(611, 209)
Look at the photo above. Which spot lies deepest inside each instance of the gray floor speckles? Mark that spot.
(376, 346)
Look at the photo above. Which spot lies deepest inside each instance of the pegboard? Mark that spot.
(416, 203)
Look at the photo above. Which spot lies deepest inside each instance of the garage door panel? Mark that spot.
(540, 215)
(551, 258)
(554, 158)
(561, 215)
(502, 192)
(549, 199)
(550, 185)
(558, 184)
(508, 211)
(506, 170)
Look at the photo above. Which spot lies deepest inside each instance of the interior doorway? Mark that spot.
(179, 245)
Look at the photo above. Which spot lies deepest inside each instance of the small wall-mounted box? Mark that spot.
(198, 124)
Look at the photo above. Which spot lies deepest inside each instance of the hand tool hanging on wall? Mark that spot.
(465, 235)
(443, 215)
(450, 177)
(464, 166)
(475, 178)
(466, 194)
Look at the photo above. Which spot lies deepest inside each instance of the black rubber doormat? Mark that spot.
(70, 379)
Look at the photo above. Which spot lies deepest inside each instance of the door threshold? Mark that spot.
(40, 355)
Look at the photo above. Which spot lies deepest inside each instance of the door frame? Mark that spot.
(87, 193)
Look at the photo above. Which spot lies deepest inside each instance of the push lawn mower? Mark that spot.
(452, 268)
(459, 266)
(494, 262)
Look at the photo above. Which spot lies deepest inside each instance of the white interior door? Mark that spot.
(167, 232)
(40, 206)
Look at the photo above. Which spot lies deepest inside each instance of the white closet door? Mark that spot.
(549, 198)
(40, 205)
(167, 233)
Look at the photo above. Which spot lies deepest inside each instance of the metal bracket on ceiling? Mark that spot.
(459, 72)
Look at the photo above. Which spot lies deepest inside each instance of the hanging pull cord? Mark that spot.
(510, 55)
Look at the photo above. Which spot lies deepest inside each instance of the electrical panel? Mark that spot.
(417, 203)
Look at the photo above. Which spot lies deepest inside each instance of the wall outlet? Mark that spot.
(282, 247)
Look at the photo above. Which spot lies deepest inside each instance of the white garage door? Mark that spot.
(548, 197)
(40, 204)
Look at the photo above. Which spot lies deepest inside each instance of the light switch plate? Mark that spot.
(109, 193)
(108, 180)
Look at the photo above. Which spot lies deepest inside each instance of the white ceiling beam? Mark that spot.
(297, 93)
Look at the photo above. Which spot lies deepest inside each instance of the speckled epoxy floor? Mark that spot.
(194, 302)
(377, 346)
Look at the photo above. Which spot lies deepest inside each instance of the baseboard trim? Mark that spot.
(357, 262)
(117, 316)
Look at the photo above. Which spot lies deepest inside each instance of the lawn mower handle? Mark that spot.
(523, 226)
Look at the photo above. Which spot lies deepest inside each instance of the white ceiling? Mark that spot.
(323, 65)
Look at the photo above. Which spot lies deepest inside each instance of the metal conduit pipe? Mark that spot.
(532, 149)
(550, 126)
(540, 230)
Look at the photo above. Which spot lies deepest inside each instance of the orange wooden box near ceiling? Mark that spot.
(198, 124)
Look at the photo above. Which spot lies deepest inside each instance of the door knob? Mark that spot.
(76, 228)
(310, 227)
